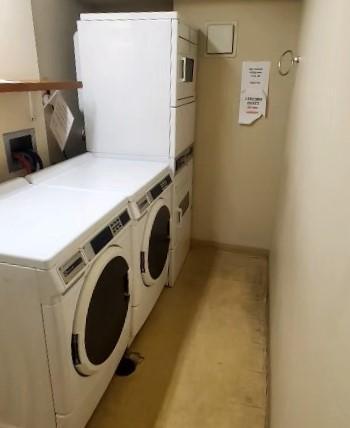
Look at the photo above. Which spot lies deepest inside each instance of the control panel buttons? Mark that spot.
(116, 226)
(159, 188)
(100, 241)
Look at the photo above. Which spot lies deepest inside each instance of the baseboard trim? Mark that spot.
(231, 248)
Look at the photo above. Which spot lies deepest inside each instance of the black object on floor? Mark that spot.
(128, 364)
(126, 367)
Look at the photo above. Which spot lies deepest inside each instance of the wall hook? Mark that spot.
(293, 60)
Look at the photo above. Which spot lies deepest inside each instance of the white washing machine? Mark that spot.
(151, 208)
(149, 188)
(157, 84)
(65, 307)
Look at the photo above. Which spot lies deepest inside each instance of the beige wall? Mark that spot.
(310, 293)
(237, 168)
(55, 25)
(19, 61)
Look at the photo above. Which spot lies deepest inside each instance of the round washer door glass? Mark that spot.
(102, 312)
(159, 242)
(107, 311)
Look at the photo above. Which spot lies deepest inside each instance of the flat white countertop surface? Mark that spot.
(37, 223)
(127, 16)
(100, 173)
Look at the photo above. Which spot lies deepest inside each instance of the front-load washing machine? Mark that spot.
(149, 188)
(65, 307)
(151, 210)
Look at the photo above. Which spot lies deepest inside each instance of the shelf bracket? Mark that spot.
(31, 106)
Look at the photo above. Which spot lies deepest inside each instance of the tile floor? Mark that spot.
(204, 349)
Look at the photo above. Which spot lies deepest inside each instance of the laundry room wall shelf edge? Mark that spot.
(43, 85)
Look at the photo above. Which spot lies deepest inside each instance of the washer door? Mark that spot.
(101, 311)
(156, 243)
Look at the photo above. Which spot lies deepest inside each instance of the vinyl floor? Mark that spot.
(204, 349)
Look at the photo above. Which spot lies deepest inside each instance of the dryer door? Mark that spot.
(156, 243)
(102, 311)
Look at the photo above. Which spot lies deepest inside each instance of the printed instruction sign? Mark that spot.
(61, 120)
(254, 91)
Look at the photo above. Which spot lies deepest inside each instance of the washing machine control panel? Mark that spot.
(159, 188)
(72, 267)
(99, 241)
(143, 203)
(120, 222)
(146, 200)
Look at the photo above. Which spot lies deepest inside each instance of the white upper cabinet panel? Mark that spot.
(125, 66)
(135, 67)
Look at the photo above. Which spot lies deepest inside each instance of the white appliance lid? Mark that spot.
(127, 16)
(59, 168)
(10, 187)
(103, 173)
(38, 224)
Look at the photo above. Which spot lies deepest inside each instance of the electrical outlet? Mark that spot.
(16, 142)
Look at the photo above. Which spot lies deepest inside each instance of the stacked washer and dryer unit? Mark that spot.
(139, 99)
(92, 253)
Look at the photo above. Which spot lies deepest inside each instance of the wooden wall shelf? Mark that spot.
(31, 86)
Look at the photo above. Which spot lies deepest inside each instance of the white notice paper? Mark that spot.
(254, 91)
(61, 121)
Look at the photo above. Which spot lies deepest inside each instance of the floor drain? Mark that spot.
(128, 364)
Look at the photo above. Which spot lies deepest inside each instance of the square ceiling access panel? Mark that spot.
(221, 38)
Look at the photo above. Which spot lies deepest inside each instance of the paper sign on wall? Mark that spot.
(254, 91)
(61, 120)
